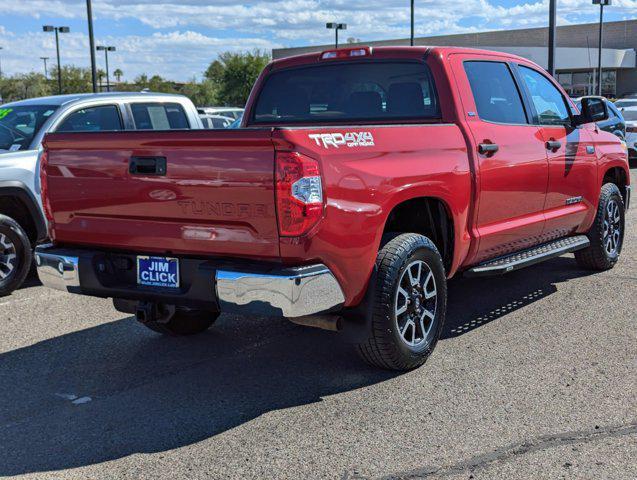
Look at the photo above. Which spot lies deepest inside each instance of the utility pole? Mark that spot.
(46, 73)
(412, 23)
(91, 40)
(552, 35)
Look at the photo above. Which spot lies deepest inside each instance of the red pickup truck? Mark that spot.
(360, 182)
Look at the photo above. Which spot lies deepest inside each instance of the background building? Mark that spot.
(576, 56)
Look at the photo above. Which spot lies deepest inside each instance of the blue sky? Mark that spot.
(179, 38)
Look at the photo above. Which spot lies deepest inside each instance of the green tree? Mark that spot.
(18, 87)
(74, 79)
(118, 74)
(202, 94)
(235, 74)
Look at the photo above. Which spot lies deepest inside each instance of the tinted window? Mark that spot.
(547, 99)
(94, 119)
(19, 124)
(159, 116)
(496, 95)
(348, 92)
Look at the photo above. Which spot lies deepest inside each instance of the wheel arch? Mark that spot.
(617, 176)
(429, 216)
(17, 202)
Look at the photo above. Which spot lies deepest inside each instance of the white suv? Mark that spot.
(23, 125)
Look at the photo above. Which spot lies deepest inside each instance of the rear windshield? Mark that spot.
(348, 92)
(19, 124)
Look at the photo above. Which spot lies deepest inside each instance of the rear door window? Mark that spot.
(159, 116)
(348, 92)
(93, 119)
(495, 93)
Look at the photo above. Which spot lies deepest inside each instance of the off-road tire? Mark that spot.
(21, 265)
(595, 256)
(185, 322)
(384, 346)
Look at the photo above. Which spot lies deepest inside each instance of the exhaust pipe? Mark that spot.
(333, 323)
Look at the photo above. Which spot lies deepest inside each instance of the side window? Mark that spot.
(547, 99)
(94, 119)
(496, 95)
(159, 116)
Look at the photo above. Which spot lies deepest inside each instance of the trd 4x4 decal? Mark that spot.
(349, 139)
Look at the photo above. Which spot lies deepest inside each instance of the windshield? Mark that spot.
(626, 103)
(19, 124)
(630, 115)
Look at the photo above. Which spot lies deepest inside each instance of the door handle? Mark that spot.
(488, 148)
(553, 145)
(155, 166)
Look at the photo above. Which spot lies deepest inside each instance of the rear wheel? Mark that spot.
(607, 233)
(409, 304)
(184, 322)
(16, 255)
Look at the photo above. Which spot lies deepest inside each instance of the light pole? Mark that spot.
(57, 30)
(91, 41)
(336, 27)
(552, 32)
(412, 23)
(601, 4)
(46, 73)
(106, 50)
(0, 65)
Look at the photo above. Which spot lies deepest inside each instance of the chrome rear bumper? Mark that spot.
(294, 292)
(57, 270)
(287, 292)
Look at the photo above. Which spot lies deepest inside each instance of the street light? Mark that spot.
(336, 27)
(552, 35)
(412, 23)
(46, 74)
(91, 44)
(601, 4)
(0, 66)
(57, 30)
(106, 50)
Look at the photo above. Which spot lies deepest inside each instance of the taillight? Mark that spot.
(299, 193)
(44, 189)
(631, 129)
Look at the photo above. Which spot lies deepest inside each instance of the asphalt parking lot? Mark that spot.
(535, 377)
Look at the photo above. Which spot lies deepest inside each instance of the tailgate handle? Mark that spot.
(147, 166)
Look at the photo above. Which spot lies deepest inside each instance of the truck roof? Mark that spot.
(76, 97)
(389, 52)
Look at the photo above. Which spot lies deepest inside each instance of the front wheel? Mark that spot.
(409, 304)
(16, 255)
(607, 233)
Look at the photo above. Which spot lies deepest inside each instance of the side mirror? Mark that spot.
(594, 109)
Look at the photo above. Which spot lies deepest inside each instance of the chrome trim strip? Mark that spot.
(293, 292)
(60, 272)
(627, 197)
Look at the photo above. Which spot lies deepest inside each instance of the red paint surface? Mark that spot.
(218, 196)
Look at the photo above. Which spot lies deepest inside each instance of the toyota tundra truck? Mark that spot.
(361, 181)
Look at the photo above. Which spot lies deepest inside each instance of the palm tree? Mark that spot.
(118, 75)
(100, 76)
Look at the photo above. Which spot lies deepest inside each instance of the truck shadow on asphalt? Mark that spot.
(114, 390)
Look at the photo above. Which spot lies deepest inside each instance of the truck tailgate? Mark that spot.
(215, 194)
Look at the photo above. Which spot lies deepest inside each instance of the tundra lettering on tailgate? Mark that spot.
(349, 139)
